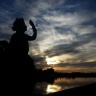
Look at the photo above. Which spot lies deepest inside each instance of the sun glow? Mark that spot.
(52, 60)
(53, 88)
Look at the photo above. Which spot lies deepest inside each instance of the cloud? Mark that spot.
(30, 9)
(70, 19)
(79, 67)
(84, 29)
(69, 48)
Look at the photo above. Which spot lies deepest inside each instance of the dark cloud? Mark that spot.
(61, 49)
(78, 65)
(39, 61)
(70, 48)
(85, 4)
(4, 36)
(64, 30)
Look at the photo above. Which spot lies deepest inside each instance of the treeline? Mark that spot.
(75, 74)
(51, 72)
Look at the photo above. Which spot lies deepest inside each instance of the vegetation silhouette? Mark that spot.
(3, 47)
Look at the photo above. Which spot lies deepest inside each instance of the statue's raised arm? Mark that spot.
(33, 37)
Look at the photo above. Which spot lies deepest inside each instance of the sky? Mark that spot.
(66, 38)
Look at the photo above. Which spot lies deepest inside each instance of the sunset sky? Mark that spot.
(66, 38)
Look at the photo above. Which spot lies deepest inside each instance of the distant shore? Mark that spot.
(89, 89)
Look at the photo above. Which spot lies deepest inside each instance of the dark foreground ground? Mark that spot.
(89, 90)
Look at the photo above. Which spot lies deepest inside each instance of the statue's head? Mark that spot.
(19, 25)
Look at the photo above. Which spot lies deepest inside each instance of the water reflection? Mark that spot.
(53, 88)
(61, 84)
(66, 83)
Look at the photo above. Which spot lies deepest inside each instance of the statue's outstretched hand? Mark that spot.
(31, 23)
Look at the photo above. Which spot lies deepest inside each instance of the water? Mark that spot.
(61, 84)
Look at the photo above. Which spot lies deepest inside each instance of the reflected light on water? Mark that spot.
(53, 88)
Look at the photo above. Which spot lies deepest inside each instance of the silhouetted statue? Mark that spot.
(20, 64)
